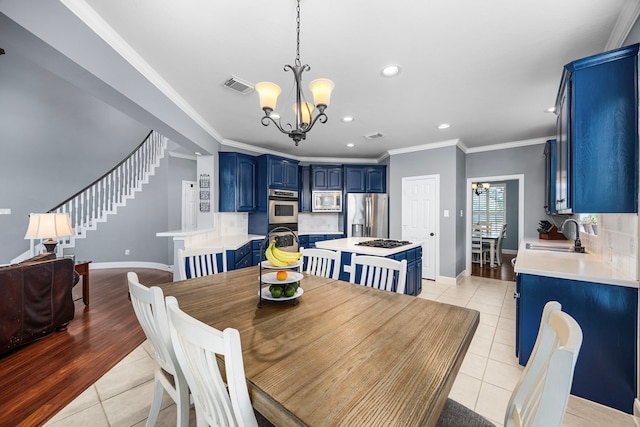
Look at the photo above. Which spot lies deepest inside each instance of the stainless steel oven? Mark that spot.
(283, 207)
(285, 236)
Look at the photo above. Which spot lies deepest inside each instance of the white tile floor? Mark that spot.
(122, 397)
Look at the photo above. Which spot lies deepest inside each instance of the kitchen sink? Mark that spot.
(556, 248)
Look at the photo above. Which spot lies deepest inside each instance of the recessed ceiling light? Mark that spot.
(351, 145)
(390, 71)
(275, 116)
(198, 153)
(550, 110)
(444, 126)
(347, 119)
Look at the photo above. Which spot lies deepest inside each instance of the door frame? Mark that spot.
(436, 216)
(467, 240)
(184, 200)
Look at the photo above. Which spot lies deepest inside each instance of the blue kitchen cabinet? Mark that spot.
(237, 175)
(597, 134)
(303, 240)
(606, 367)
(240, 258)
(282, 173)
(326, 177)
(256, 255)
(304, 194)
(365, 179)
(550, 154)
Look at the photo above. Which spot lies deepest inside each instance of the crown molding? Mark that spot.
(261, 150)
(99, 26)
(626, 19)
(424, 147)
(507, 145)
(182, 155)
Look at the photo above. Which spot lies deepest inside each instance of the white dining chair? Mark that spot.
(479, 249)
(198, 262)
(321, 262)
(377, 272)
(540, 397)
(149, 306)
(196, 346)
(503, 234)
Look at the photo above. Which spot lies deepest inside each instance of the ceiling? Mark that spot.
(490, 69)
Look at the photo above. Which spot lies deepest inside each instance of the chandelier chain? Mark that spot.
(298, 34)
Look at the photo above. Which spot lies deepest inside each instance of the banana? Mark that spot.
(272, 258)
(288, 257)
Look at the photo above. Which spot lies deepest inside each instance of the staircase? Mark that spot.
(93, 204)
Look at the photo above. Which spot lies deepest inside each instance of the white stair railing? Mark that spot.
(97, 201)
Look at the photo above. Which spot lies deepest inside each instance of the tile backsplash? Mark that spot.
(616, 242)
(319, 222)
(232, 223)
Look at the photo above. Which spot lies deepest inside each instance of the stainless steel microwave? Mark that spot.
(326, 201)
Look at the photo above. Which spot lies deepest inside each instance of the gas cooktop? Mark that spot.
(384, 243)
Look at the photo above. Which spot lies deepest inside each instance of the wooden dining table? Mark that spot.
(343, 355)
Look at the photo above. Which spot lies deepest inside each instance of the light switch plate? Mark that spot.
(5, 211)
(446, 213)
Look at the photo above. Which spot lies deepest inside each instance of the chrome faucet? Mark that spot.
(578, 244)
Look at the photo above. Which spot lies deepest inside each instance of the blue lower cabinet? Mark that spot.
(256, 255)
(240, 258)
(414, 268)
(303, 240)
(606, 367)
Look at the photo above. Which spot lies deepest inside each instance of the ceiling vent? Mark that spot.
(236, 84)
(376, 135)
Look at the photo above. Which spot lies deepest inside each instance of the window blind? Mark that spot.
(490, 206)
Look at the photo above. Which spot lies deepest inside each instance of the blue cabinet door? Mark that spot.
(598, 101)
(365, 179)
(237, 174)
(282, 173)
(326, 177)
(606, 367)
(304, 195)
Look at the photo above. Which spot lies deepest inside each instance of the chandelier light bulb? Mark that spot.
(268, 93)
(321, 90)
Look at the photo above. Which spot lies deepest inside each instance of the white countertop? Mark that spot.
(230, 243)
(568, 265)
(349, 245)
(305, 232)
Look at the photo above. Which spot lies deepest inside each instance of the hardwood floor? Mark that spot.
(502, 272)
(39, 379)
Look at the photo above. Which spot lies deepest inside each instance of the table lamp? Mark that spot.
(49, 225)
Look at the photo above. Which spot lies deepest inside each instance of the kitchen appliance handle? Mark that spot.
(367, 216)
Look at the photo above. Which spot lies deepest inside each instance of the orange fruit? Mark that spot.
(282, 275)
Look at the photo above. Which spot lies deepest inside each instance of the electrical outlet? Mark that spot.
(127, 252)
(5, 211)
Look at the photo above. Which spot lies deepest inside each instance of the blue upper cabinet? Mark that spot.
(365, 179)
(550, 154)
(282, 173)
(597, 134)
(326, 177)
(304, 195)
(237, 175)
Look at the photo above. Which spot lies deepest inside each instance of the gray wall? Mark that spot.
(527, 160)
(55, 140)
(443, 161)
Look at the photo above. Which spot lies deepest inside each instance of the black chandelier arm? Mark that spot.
(265, 122)
(322, 118)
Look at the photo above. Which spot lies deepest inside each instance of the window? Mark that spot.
(490, 206)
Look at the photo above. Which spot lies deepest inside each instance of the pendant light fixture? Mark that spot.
(304, 120)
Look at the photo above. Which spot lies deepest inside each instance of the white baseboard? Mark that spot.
(445, 280)
(636, 411)
(130, 264)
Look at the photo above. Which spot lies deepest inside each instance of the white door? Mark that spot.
(419, 219)
(189, 205)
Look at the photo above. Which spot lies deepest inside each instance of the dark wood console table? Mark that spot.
(82, 268)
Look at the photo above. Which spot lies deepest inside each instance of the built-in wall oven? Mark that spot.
(283, 216)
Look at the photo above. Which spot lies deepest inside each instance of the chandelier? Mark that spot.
(480, 188)
(304, 120)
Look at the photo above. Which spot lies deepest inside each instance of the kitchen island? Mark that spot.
(412, 252)
(603, 301)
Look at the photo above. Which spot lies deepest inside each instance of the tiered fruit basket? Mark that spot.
(276, 272)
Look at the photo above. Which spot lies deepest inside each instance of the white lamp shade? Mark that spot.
(48, 225)
(268, 93)
(307, 109)
(321, 90)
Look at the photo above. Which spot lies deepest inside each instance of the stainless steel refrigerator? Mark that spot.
(367, 215)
